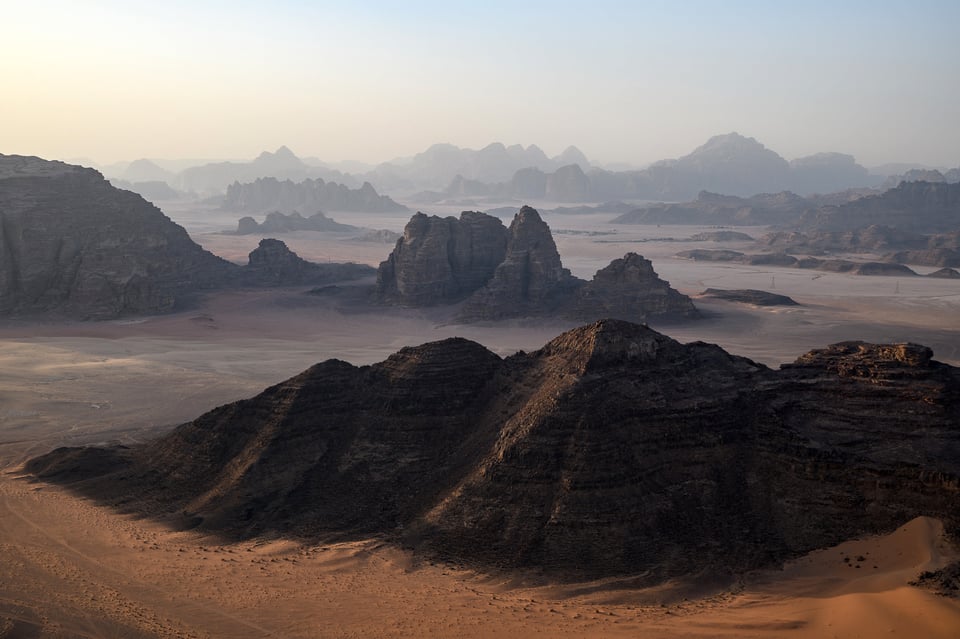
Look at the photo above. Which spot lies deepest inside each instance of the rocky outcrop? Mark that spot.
(442, 260)
(629, 289)
(306, 197)
(277, 222)
(72, 245)
(612, 450)
(273, 264)
(529, 281)
(750, 296)
(516, 272)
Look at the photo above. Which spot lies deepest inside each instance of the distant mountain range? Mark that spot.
(730, 164)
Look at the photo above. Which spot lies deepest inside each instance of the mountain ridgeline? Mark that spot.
(500, 273)
(612, 450)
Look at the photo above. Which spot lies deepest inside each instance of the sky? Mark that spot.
(631, 81)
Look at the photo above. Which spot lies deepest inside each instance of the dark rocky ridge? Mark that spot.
(612, 450)
(73, 246)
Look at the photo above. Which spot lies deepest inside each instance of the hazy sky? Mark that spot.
(626, 81)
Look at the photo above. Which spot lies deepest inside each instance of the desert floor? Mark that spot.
(69, 568)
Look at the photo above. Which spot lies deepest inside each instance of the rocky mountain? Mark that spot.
(442, 260)
(277, 222)
(144, 170)
(437, 166)
(730, 164)
(529, 281)
(306, 197)
(613, 450)
(827, 173)
(517, 272)
(215, 177)
(629, 289)
(73, 246)
(920, 207)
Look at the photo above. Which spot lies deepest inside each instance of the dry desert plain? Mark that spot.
(69, 568)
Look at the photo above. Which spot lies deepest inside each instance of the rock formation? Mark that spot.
(282, 164)
(273, 264)
(306, 197)
(750, 296)
(277, 222)
(442, 260)
(530, 280)
(920, 207)
(612, 450)
(515, 273)
(629, 289)
(73, 245)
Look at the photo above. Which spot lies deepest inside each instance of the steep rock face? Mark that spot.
(530, 280)
(442, 260)
(73, 245)
(273, 264)
(612, 450)
(629, 289)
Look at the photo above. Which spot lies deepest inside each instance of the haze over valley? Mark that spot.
(448, 321)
